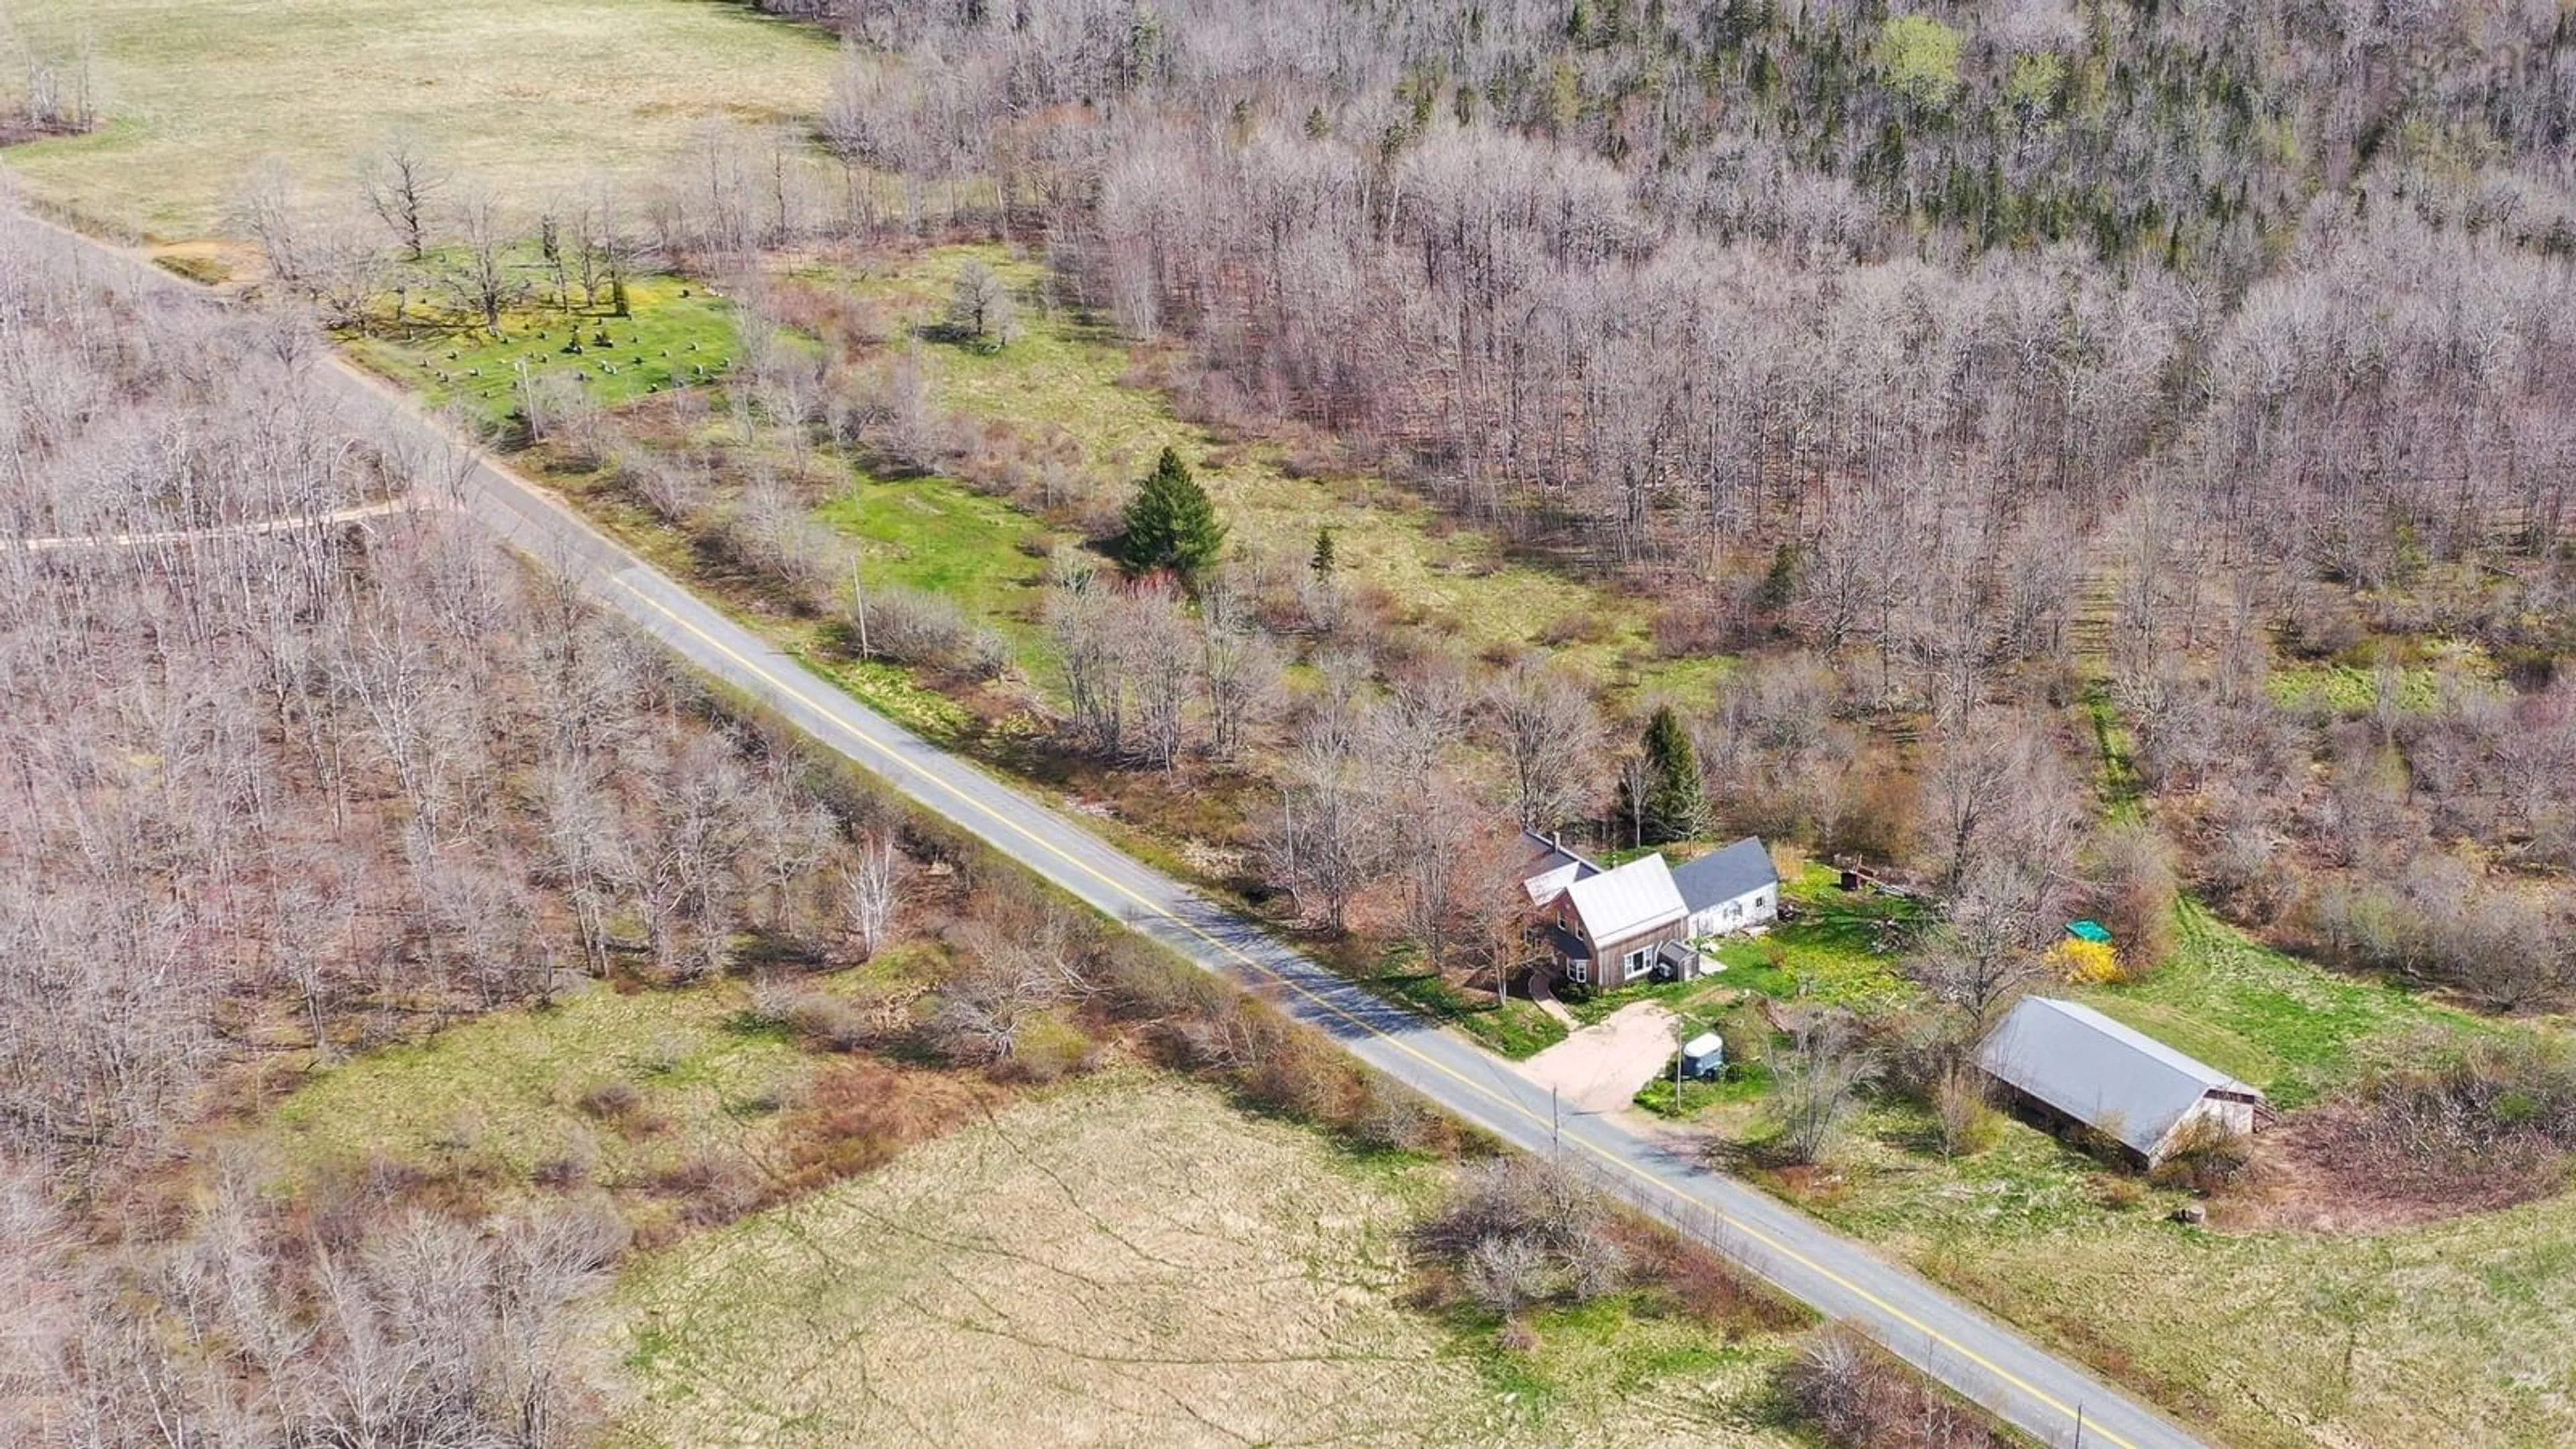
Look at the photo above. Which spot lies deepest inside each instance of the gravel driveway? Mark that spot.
(1600, 1067)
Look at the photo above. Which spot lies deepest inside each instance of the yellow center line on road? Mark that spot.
(797, 692)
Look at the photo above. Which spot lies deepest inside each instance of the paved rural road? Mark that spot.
(2052, 1400)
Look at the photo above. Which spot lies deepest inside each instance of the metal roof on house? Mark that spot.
(2095, 1070)
(1724, 874)
(1550, 867)
(1619, 903)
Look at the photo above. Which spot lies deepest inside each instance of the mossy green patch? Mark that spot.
(2283, 1024)
(679, 334)
(507, 1090)
(936, 535)
(2414, 676)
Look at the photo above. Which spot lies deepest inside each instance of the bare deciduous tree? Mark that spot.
(1549, 730)
(871, 888)
(1820, 1078)
(980, 306)
(403, 182)
(480, 276)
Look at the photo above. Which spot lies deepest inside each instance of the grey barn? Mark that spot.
(2076, 1066)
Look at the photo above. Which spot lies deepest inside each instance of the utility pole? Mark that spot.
(859, 601)
(1554, 1121)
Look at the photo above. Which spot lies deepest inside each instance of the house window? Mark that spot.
(1762, 901)
(1635, 966)
(1577, 970)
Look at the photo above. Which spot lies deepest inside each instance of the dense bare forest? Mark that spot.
(1950, 367)
(304, 765)
(1918, 353)
(277, 795)
(2119, 452)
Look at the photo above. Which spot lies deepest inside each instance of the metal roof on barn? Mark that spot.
(2098, 1071)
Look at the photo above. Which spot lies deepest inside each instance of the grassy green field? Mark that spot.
(2442, 1333)
(938, 536)
(1515, 1027)
(1127, 1257)
(2289, 1027)
(525, 98)
(2347, 690)
(503, 1091)
(678, 334)
(1130, 1260)
(2451, 1334)
(1837, 951)
(1064, 378)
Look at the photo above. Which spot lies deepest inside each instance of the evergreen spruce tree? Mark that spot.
(1171, 524)
(1323, 561)
(1780, 585)
(1676, 803)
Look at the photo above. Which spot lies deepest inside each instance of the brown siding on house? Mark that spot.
(1610, 957)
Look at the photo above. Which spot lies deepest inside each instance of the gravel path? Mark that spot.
(1600, 1067)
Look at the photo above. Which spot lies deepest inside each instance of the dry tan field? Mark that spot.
(522, 96)
(1129, 1262)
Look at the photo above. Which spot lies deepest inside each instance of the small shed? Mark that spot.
(2074, 1066)
(1677, 961)
(1704, 1055)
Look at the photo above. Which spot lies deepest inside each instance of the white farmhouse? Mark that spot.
(1618, 927)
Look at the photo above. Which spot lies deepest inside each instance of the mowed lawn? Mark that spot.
(523, 96)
